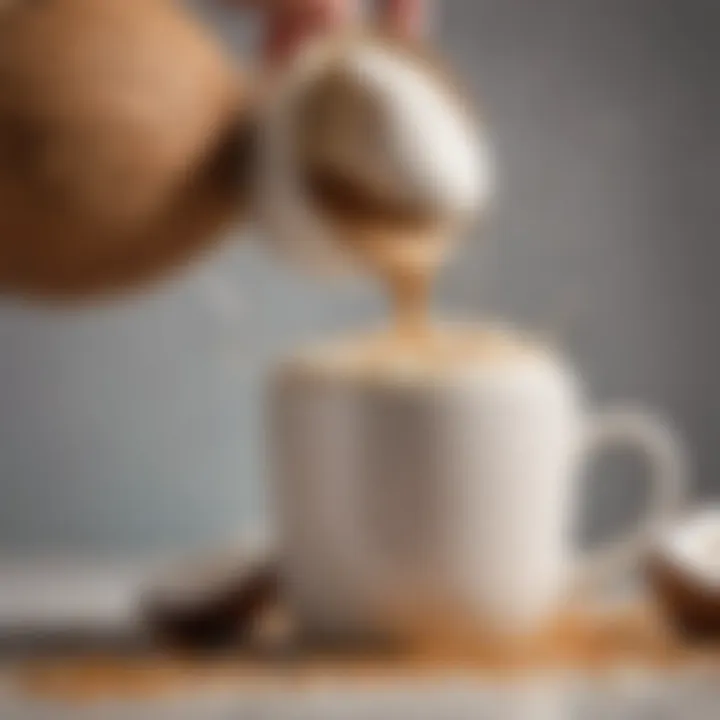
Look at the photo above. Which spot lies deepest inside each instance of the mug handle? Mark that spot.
(633, 428)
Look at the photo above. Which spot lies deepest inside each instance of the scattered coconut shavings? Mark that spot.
(601, 644)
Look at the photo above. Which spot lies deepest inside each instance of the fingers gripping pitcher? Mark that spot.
(432, 469)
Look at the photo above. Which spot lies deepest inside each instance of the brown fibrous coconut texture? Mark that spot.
(122, 141)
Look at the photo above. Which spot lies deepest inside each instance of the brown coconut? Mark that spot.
(122, 136)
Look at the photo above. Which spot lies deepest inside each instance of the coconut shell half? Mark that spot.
(212, 604)
(684, 573)
(335, 193)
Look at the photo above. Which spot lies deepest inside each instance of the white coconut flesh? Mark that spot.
(430, 153)
(694, 548)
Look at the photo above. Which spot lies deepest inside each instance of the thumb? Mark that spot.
(405, 17)
(287, 28)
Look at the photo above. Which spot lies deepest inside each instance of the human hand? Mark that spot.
(289, 22)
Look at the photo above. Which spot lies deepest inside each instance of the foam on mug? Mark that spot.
(449, 351)
(408, 141)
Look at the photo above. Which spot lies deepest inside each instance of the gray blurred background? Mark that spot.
(137, 426)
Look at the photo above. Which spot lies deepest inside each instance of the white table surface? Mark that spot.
(101, 594)
(57, 592)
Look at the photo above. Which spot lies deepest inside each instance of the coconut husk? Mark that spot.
(123, 136)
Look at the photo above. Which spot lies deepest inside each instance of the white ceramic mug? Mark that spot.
(461, 488)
